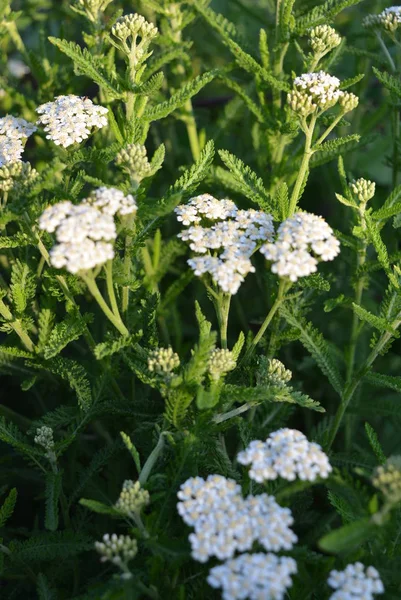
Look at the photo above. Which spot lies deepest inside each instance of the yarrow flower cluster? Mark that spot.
(299, 238)
(134, 160)
(133, 498)
(44, 438)
(132, 35)
(119, 550)
(323, 38)
(163, 361)
(224, 237)
(277, 374)
(286, 453)
(111, 201)
(387, 479)
(364, 189)
(69, 119)
(13, 131)
(319, 91)
(389, 19)
(355, 582)
(225, 522)
(220, 363)
(17, 176)
(254, 576)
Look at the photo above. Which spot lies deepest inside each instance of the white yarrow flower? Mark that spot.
(254, 576)
(286, 453)
(112, 201)
(69, 119)
(355, 583)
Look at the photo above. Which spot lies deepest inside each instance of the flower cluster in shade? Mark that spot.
(254, 576)
(387, 479)
(225, 523)
(302, 240)
(70, 119)
(389, 19)
(319, 91)
(133, 498)
(118, 549)
(13, 134)
(223, 238)
(85, 232)
(323, 38)
(286, 453)
(355, 583)
(163, 361)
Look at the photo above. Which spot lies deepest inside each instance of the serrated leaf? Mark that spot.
(64, 333)
(99, 507)
(373, 320)
(132, 450)
(374, 442)
(8, 506)
(23, 286)
(346, 538)
(49, 546)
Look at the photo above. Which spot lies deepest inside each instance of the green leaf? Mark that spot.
(53, 491)
(373, 320)
(162, 110)
(43, 588)
(49, 546)
(8, 506)
(87, 65)
(74, 374)
(349, 537)
(114, 346)
(380, 248)
(390, 82)
(334, 147)
(23, 286)
(236, 351)
(315, 343)
(204, 325)
(386, 381)
(374, 442)
(385, 212)
(152, 85)
(263, 393)
(346, 83)
(64, 333)
(132, 450)
(322, 14)
(249, 184)
(347, 201)
(282, 201)
(99, 507)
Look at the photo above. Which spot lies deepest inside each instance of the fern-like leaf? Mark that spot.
(7, 507)
(53, 490)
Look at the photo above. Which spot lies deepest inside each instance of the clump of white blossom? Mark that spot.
(13, 132)
(44, 438)
(254, 576)
(224, 522)
(133, 498)
(224, 238)
(355, 583)
(70, 119)
(389, 19)
(133, 34)
(364, 189)
(119, 550)
(286, 453)
(112, 201)
(85, 232)
(319, 91)
(302, 240)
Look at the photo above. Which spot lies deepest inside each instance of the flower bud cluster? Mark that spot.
(277, 374)
(132, 498)
(387, 478)
(13, 131)
(17, 176)
(118, 549)
(323, 38)
(319, 91)
(225, 522)
(254, 576)
(220, 363)
(44, 438)
(92, 9)
(133, 35)
(224, 237)
(163, 361)
(364, 189)
(69, 119)
(286, 453)
(355, 583)
(302, 240)
(133, 159)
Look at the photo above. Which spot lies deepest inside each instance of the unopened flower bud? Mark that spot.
(301, 103)
(17, 176)
(163, 361)
(348, 101)
(135, 35)
(132, 498)
(92, 9)
(44, 438)
(323, 38)
(364, 189)
(220, 363)
(133, 159)
(117, 549)
(387, 479)
(277, 373)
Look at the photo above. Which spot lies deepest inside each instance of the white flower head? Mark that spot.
(255, 576)
(302, 240)
(355, 583)
(83, 256)
(15, 127)
(118, 549)
(112, 201)
(70, 119)
(286, 453)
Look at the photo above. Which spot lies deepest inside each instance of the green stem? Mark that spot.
(386, 52)
(192, 131)
(361, 258)
(151, 460)
(304, 166)
(94, 290)
(352, 386)
(127, 273)
(222, 305)
(280, 298)
(329, 129)
(17, 326)
(110, 289)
